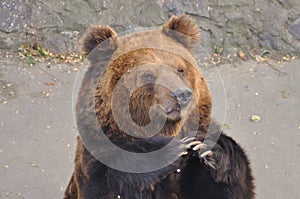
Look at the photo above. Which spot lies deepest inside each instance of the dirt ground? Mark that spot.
(37, 139)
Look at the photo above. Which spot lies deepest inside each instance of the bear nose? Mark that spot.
(183, 95)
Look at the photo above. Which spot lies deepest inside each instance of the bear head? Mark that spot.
(151, 83)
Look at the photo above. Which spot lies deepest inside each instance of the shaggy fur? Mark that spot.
(223, 174)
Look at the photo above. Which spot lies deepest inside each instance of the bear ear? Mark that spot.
(183, 29)
(97, 34)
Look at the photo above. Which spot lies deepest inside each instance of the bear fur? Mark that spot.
(202, 168)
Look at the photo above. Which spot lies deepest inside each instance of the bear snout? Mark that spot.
(183, 95)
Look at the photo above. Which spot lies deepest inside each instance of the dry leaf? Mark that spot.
(242, 55)
(284, 94)
(255, 118)
(49, 83)
(259, 58)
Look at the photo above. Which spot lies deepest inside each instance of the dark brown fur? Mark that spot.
(232, 178)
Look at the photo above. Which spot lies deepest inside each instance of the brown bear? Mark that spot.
(142, 93)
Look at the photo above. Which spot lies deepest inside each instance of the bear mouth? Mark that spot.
(172, 111)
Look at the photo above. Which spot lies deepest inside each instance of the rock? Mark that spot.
(12, 15)
(3, 44)
(42, 17)
(295, 29)
(56, 43)
(226, 3)
(193, 7)
(140, 13)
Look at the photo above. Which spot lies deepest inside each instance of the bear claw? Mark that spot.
(208, 158)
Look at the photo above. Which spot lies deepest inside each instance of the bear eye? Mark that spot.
(148, 77)
(180, 71)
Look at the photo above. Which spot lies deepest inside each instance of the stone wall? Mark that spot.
(248, 25)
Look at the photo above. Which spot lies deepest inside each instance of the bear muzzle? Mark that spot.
(183, 95)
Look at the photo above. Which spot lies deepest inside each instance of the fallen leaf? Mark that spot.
(226, 126)
(32, 54)
(44, 51)
(259, 58)
(255, 118)
(29, 59)
(242, 55)
(49, 83)
(218, 50)
(284, 94)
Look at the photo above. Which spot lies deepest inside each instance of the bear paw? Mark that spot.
(207, 156)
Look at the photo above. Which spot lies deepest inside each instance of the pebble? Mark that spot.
(34, 165)
(266, 166)
(46, 94)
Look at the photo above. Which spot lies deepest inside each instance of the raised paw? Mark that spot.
(188, 143)
(191, 143)
(207, 155)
